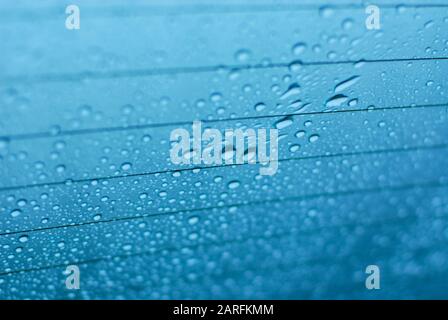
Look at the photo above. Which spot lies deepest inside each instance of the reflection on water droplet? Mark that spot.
(298, 48)
(300, 134)
(146, 138)
(4, 143)
(294, 89)
(294, 148)
(341, 86)
(353, 102)
(15, 213)
(295, 66)
(242, 55)
(314, 138)
(233, 184)
(347, 24)
(193, 220)
(127, 247)
(260, 106)
(127, 109)
(326, 11)
(336, 100)
(143, 196)
(283, 123)
(215, 97)
(126, 166)
(23, 238)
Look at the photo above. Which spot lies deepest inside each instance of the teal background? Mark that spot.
(86, 179)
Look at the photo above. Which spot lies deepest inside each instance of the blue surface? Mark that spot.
(77, 106)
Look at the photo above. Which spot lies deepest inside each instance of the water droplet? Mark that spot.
(16, 213)
(295, 66)
(341, 86)
(260, 106)
(143, 196)
(326, 11)
(353, 102)
(300, 134)
(298, 48)
(4, 143)
(233, 184)
(126, 166)
(24, 238)
(347, 24)
(283, 123)
(294, 148)
(215, 97)
(242, 55)
(163, 194)
(294, 89)
(127, 247)
(193, 236)
(336, 100)
(193, 220)
(127, 109)
(314, 138)
(146, 138)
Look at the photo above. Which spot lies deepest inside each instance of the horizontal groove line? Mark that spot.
(258, 202)
(95, 75)
(143, 174)
(43, 135)
(209, 244)
(195, 9)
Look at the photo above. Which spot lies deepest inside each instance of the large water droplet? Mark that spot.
(336, 100)
(294, 89)
(341, 86)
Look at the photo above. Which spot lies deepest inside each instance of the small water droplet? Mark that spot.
(260, 106)
(143, 196)
(295, 66)
(234, 184)
(294, 148)
(300, 134)
(242, 55)
(314, 138)
(326, 11)
(24, 238)
(193, 220)
(293, 89)
(298, 48)
(16, 213)
(127, 247)
(4, 143)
